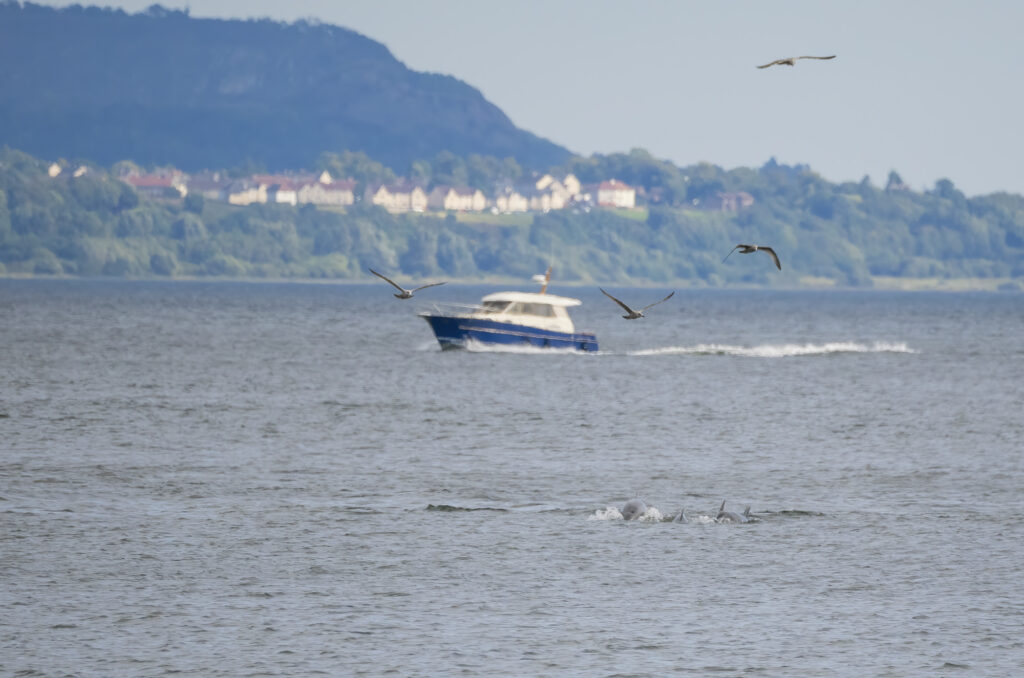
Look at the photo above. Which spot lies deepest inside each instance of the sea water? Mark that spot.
(223, 479)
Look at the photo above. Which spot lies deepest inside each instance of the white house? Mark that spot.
(458, 199)
(511, 200)
(341, 192)
(614, 193)
(398, 197)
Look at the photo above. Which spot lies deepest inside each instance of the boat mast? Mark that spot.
(547, 279)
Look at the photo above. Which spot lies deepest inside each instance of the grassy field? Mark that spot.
(517, 219)
(634, 213)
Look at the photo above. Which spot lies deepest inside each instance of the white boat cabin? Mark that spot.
(544, 311)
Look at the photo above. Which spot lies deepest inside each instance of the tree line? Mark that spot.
(848, 233)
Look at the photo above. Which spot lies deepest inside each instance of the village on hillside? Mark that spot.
(539, 194)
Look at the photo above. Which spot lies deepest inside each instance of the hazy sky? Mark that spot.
(930, 88)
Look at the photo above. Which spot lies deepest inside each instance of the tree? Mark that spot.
(195, 203)
(355, 165)
(449, 169)
(895, 182)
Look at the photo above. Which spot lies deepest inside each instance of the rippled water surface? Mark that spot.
(285, 479)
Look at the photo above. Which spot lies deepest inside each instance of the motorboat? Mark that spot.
(531, 319)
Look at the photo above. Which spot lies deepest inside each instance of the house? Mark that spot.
(572, 185)
(614, 193)
(457, 199)
(545, 194)
(53, 170)
(210, 185)
(245, 192)
(316, 189)
(320, 192)
(158, 186)
(564, 190)
(285, 192)
(397, 197)
(510, 200)
(540, 201)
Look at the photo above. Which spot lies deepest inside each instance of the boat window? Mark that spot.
(543, 310)
(495, 306)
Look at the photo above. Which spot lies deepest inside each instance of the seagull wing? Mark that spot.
(731, 251)
(777, 61)
(423, 287)
(774, 256)
(817, 57)
(658, 302)
(397, 287)
(627, 308)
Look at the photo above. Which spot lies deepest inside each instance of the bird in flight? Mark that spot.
(404, 293)
(747, 249)
(633, 314)
(791, 61)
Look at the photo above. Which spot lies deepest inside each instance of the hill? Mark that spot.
(161, 87)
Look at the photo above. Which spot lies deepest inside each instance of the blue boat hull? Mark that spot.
(454, 332)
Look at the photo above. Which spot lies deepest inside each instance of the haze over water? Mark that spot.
(220, 479)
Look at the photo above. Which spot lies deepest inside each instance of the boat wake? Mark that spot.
(780, 350)
(522, 349)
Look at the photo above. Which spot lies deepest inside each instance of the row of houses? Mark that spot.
(539, 195)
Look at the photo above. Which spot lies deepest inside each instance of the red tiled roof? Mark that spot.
(149, 181)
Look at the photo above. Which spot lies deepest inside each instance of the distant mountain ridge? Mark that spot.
(162, 87)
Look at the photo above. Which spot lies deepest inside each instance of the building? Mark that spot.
(244, 192)
(397, 197)
(614, 193)
(319, 192)
(158, 186)
(284, 192)
(562, 191)
(457, 199)
(210, 185)
(510, 200)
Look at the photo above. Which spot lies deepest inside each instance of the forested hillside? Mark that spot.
(162, 87)
(851, 234)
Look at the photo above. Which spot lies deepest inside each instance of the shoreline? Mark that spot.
(881, 283)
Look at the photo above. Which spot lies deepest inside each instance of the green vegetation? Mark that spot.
(163, 87)
(851, 234)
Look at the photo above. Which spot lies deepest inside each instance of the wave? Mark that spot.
(449, 507)
(780, 350)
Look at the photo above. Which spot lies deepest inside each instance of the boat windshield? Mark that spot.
(544, 310)
(494, 306)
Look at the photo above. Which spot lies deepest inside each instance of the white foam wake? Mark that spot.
(651, 515)
(522, 349)
(780, 350)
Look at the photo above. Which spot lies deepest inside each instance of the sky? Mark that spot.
(929, 88)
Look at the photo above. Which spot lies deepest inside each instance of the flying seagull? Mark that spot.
(404, 293)
(791, 61)
(747, 249)
(632, 314)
